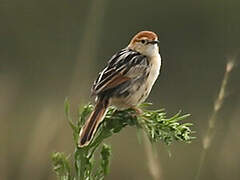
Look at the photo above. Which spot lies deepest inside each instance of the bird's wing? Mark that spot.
(123, 66)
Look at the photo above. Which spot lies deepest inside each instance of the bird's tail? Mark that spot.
(91, 125)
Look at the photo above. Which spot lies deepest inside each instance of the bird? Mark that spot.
(125, 82)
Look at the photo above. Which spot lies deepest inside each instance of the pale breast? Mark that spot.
(140, 90)
(156, 65)
(147, 86)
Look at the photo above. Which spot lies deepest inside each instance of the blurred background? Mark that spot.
(50, 50)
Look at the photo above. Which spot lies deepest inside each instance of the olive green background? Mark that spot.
(53, 49)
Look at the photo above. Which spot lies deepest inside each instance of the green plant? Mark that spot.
(153, 122)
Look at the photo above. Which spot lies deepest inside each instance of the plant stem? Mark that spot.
(207, 140)
(153, 163)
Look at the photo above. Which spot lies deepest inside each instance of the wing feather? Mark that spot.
(123, 66)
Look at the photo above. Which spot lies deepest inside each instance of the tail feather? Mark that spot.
(91, 125)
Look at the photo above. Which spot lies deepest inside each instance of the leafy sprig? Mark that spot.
(154, 123)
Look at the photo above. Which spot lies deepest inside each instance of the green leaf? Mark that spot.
(105, 155)
(155, 123)
(61, 166)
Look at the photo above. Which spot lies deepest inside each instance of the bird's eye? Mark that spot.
(143, 41)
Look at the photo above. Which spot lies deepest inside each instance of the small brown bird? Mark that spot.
(125, 82)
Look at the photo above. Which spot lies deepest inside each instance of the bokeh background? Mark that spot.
(50, 50)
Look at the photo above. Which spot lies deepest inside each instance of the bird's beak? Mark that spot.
(154, 42)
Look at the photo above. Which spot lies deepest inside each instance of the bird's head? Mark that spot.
(146, 43)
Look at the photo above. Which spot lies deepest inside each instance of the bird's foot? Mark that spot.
(137, 110)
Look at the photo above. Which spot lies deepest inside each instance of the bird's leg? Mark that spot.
(137, 110)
